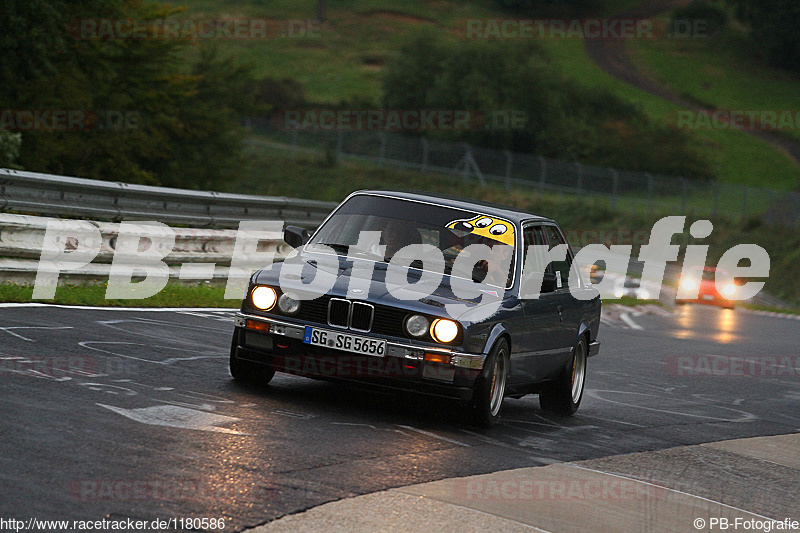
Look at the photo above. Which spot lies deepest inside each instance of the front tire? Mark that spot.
(487, 401)
(564, 395)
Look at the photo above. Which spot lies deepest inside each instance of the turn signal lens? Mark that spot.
(443, 358)
(258, 326)
(443, 330)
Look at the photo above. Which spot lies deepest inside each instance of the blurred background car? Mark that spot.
(632, 288)
(595, 274)
(704, 282)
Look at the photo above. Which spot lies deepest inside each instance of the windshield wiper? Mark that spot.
(337, 247)
(346, 249)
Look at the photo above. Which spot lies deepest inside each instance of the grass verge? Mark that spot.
(173, 295)
(752, 307)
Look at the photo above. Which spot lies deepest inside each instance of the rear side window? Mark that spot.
(560, 268)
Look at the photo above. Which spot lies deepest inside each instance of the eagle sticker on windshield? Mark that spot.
(485, 226)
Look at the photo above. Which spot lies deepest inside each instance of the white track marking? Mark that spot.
(434, 435)
(177, 417)
(625, 317)
(369, 426)
(8, 330)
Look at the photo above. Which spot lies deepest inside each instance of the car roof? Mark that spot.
(487, 208)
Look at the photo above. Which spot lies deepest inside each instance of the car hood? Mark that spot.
(347, 278)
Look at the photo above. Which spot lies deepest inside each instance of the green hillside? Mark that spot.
(344, 61)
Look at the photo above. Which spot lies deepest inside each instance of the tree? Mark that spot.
(173, 123)
(559, 117)
(321, 8)
(773, 27)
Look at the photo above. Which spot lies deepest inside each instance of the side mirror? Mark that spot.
(549, 283)
(295, 236)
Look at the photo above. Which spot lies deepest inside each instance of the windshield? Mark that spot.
(404, 222)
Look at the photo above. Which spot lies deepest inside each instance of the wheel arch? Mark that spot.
(498, 331)
(584, 331)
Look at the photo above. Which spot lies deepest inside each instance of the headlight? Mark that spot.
(644, 295)
(417, 325)
(729, 289)
(288, 305)
(618, 293)
(443, 330)
(264, 298)
(688, 284)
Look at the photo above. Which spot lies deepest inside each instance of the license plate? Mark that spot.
(344, 341)
(707, 297)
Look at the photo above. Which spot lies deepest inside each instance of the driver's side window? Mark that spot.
(560, 268)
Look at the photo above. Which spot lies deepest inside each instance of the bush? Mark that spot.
(9, 147)
(561, 119)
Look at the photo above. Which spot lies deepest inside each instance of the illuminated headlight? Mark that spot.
(688, 284)
(729, 289)
(264, 298)
(443, 330)
(288, 305)
(618, 294)
(417, 325)
(644, 295)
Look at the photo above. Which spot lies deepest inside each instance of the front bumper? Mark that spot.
(594, 348)
(280, 344)
(708, 299)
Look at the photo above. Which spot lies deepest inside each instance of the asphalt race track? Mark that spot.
(126, 413)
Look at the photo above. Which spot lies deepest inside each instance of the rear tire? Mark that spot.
(247, 372)
(487, 400)
(564, 395)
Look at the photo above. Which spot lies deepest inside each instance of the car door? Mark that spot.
(567, 307)
(542, 340)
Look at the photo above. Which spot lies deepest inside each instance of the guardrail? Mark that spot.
(62, 196)
(22, 241)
